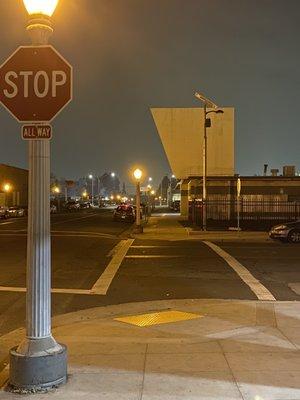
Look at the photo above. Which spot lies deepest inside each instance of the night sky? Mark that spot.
(130, 55)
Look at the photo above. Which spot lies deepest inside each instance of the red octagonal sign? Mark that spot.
(35, 83)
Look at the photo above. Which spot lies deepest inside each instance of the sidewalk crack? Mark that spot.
(144, 371)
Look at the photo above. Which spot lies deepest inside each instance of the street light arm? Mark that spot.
(215, 111)
(205, 100)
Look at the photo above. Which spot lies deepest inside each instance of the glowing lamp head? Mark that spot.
(44, 7)
(7, 187)
(113, 174)
(56, 189)
(138, 174)
(153, 192)
(91, 176)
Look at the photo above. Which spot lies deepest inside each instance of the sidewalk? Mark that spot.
(223, 236)
(227, 350)
(168, 227)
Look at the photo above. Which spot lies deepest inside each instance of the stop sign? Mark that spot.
(35, 83)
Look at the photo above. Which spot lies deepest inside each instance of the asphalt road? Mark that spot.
(82, 248)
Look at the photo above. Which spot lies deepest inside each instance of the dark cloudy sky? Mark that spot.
(129, 55)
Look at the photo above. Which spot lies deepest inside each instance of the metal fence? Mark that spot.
(260, 215)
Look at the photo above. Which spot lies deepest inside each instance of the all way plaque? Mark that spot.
(36, 132)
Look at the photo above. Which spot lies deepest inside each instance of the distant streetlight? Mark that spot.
(150, 179)
(113, 174)
(138, 176)
(7, 187)
(56, 191)
(91, 177)
(207, 104)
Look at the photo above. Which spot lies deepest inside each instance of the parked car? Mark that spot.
(85, 205)
(289, 232)
(4, 212)
(72, 206)
(15, 212)
(53, 209)
(175, 206)
(124, 212)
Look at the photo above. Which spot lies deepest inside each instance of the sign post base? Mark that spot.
(37, 373)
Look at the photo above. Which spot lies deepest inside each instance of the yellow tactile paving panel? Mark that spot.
(163, 317)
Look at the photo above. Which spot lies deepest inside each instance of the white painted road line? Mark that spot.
(155, 256)
(73, 219)
(59, 291)
(4, 375)
(103, 283)
(153, 247)
(64, 234)
(254, 284)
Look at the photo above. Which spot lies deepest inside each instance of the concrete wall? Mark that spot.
(181, 133)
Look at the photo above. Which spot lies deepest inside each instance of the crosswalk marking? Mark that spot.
(254, 284)
(103, 283)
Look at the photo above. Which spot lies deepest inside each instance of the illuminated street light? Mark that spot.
(7, 187)
(152, 192)
(113, 174)
(207, 104)
(150, 179)
(138, 176)
(44, 7)
(91, 177)
(56, 189)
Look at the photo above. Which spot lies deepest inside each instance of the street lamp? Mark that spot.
(56, 191)
(113, 175)
(7, 187)
(207, 123)
(91, 177)
(39, 361)
(138, 176)
(45, 7)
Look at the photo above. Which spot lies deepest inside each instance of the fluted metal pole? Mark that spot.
(38, 298)
(39, 361)
(39, 245)
(204, 192)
